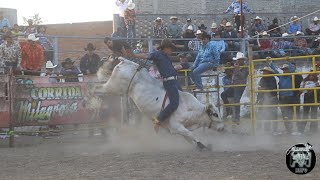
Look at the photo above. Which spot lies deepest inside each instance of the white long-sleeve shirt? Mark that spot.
(122, 6)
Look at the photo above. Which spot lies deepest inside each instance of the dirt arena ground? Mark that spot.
(142, 154)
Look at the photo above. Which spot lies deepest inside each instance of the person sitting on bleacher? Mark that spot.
(257, 26)
(316, 46)
(295, 26)
(208, 58)
(231, 33)
(314, 27)
(265, 45)
(174, 30)
(301, 45)
(69, 71)
(184, 65)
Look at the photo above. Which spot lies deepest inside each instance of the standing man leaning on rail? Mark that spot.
(285, 97)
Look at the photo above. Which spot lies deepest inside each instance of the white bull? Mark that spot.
(148, 93)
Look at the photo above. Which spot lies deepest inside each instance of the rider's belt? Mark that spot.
(170, 78)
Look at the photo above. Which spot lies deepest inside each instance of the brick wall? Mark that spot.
(86, 32)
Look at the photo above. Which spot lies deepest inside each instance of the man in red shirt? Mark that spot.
(32, 56)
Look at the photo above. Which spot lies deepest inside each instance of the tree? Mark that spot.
(36, 19)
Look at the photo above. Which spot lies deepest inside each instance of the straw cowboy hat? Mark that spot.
(267, 69)
(214, 25)
(190, 28)
(131, 5)
(32, 37)
(299, 33)
(173, 17)
(239, 55)
(315, 19)
(228, 24)
(258, 18)
(158, 19)
(189, 19)
(89, 47)
(49, 65)
(285, 66)
(318, 38)
(264, 33)
(67, 61)
(285, 35)
(198, 32)
(295, 17)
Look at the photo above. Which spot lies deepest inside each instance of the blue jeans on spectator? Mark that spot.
(171, 88)
(197, 71)
(237, 94)
(278, 53)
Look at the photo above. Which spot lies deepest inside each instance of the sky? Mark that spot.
(63, 11)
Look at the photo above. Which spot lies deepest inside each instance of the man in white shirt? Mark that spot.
(123, 5)
(314, 28)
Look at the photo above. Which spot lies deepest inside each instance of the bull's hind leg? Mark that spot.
(189, 136)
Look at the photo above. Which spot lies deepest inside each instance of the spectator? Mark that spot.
(118, 47)
(32, 56)
(235, 7)
(274, 29)
(50, 72)
(184, 64)
(223, 24)
(265, 45)
(301, 45)
(268, 98)
(69, 71)
(230, 33)
(4, 21)
(5, 29)
(295, 26)
(214, 30)
(314, 28)
(202, 28)
(117, 34)
(245, 33)
(221, 46)
(10, 52)
(90, 62)
(279, 46)
(316, 46)
(189, 23)
(123, 5)
(159, 31)
(297, 82)
(208, 58)
(31, 28)
(195, 44)
(130, 20)
(285, 97)
(307, 97)
(174, 30)
(257, 26)
(189, 33)
(16, 31)
(228, 91)
(45, 43)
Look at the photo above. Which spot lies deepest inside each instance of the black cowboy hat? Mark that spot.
(67, 61)
(202, 26)
(90, 47)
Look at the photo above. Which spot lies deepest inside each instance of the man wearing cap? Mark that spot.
(257, 26)
(294, 26)
(268, 98)
(235, 7)
(90, 62)
(239, 77)
(174, 30)
(10, 52)
(164, 65)
(231, 33)
(314, 27)
(159, 31)
(207, 58)
(285, 97)
(189, 23)
(32, 56)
